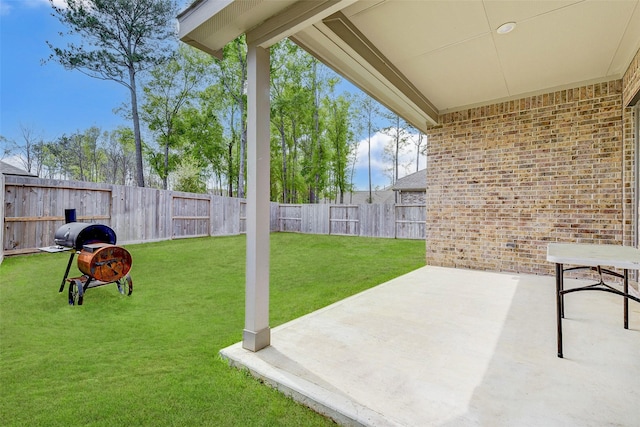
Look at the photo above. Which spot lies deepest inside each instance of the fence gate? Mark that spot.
(344, 219)
(290, 218)
(190, 216)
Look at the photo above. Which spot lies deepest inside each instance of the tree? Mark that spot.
(323, 82)
(291, 116)
(77, 155)
(417, 139)
(95, 156)
(6, 149)
(89, 155)
(301, 148)
(203, 148)
(399, 138)
(31, 142)
(232, 74)
(369, 111)
(189, 177)
(120, 156)
(205, 132)
(120, 38)
(339, 134)
(48, 168)
(29, 151)
(171, 89)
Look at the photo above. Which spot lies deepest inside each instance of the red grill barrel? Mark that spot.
(104, 262)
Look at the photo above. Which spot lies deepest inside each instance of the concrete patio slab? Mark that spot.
(449, 347)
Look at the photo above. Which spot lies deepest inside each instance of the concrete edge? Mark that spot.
(343, 411)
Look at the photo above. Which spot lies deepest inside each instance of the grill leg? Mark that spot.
(66, 273)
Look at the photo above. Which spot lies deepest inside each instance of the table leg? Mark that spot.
(559, 305)
(626, 299)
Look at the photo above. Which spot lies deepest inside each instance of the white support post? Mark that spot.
(257, 335)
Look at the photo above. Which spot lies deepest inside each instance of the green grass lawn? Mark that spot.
(151, 359)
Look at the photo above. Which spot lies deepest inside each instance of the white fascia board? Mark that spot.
(198, 13)
(295, 18)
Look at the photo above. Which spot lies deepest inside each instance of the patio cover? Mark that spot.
(424, 58)
(418, 58)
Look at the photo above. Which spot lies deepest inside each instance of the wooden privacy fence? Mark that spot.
(34, 210)
(369, 220)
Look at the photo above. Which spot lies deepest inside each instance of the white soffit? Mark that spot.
(452, 54)
(426, 57)
(575, 49)
(210, 24)
(629, 44)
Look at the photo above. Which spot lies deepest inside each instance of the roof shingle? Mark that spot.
(415, 181)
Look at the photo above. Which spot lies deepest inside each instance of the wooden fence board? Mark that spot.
(377, 220)
(410, 221)
(315, 219)
(242, 213)
(274, 210)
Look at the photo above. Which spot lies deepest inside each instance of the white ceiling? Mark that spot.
(425, 57)
(452, 53)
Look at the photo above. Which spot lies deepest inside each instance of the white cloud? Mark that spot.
(380, 166)
(378, 141)
(58, 3)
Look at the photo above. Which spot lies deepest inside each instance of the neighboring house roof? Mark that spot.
(417, 181)
(7, 169)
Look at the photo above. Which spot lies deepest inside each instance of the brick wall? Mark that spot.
(629, 172)
(540, 169)
(412, 197)
(631, 80)
(631, 91)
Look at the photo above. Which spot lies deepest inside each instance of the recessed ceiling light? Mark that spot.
(506, 28)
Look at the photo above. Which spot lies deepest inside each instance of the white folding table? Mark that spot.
(592, 257)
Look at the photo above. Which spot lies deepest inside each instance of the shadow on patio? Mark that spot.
(449, 347)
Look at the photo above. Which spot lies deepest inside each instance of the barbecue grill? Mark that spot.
(101, 261)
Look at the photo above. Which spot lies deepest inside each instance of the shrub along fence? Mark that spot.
(34, 210)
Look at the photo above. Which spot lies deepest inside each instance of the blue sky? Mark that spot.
(45, 97)
(51, 101)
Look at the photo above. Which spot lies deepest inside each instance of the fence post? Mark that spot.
(395, 219)
(2, 218)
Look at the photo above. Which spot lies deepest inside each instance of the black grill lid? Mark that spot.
(77, 234)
